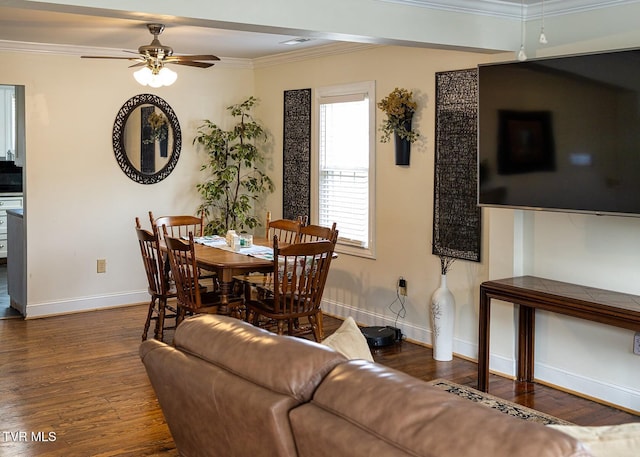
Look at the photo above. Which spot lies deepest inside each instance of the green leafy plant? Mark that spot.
(235, 182)
(399, 107)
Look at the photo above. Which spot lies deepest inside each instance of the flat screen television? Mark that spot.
(561, 134)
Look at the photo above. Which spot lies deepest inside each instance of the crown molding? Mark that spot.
(62, 49)
(310, 53)
(513, 9)
(483, 7)
(225, 62)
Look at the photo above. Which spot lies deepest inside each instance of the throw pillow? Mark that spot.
(607, 440)
(349, 341)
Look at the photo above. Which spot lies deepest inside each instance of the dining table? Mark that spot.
(227, 263)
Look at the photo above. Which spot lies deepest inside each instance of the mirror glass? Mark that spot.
(147, 138)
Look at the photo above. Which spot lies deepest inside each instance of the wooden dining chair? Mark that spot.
(159, 286)
(318, 233)
(193, 297)
(178, 226)
(310, 233)
(287, 230)
(181, 226)
(293, 290)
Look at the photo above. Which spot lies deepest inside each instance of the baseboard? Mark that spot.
(38, 310)
(603, 392)
(592, 389)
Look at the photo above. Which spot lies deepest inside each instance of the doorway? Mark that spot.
(12, 160)
(6, 311)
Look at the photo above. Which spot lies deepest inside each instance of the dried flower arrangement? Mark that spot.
(445, 263)
(440, 249)
(159, 127)
(399, 108)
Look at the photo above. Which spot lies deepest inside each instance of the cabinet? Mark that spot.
(7, 201)
(16, 273)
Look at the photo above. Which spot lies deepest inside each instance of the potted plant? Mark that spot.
(235, 182)
(399, 107)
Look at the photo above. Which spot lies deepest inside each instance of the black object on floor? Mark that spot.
(381, 336)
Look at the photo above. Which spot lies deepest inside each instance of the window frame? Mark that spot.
(345, 90)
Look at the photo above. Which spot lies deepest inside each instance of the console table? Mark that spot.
(531, 293)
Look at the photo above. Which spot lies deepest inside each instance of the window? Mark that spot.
(346, 164)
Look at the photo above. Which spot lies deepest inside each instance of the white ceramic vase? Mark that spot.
(443, 307)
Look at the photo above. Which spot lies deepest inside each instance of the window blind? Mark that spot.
(344, 167)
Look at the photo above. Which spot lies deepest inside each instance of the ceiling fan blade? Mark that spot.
(190, 63)
(155, 54)
(194, 57)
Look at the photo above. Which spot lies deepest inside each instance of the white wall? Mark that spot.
(598, 251)
(79, 205)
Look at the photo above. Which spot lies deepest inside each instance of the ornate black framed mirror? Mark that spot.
(147, 139)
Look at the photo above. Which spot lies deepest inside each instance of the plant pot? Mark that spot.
(403, 146)
(164, 147)
(403, 151)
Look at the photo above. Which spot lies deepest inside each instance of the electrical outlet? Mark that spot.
(636, 343)
(102, 266)
(402, 286)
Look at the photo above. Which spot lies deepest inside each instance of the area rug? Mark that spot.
(504, 406)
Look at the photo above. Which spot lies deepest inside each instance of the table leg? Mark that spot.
(526, 342)
(483, 341)
(226, 288)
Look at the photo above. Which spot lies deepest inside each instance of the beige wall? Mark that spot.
(80, 207)
(514, 242)
(363, 287)
(79, 204)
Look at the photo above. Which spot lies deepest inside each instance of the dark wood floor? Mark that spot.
(79, 376)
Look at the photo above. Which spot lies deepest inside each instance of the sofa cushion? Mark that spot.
(364, 409)
(349, 341)
(284, 364)
(607, 441)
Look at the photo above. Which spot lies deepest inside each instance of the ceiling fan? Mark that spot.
(155, 55)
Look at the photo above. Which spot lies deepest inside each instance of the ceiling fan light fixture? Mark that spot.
(143, 76)
(153, 58)
(148, 77)
(167, 76)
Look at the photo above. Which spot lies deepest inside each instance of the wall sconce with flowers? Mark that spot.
(399, 107)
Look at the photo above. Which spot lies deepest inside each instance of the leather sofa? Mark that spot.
(229, 389)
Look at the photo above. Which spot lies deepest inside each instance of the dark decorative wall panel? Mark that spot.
(296, 174)
(147, 147)
(456, 216)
